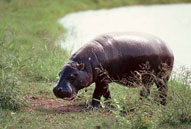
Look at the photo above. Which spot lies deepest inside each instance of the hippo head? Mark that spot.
(73, 77)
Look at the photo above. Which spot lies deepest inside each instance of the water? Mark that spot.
(172, 23)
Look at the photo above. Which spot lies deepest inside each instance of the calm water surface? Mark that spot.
(172, 23)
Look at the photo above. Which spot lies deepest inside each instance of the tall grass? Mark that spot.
(10, 96)
(131, 112)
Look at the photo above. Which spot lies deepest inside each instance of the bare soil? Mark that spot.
(57, 105)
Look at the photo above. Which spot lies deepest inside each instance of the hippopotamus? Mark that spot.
(120, 58)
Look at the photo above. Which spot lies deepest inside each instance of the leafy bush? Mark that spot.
(10, 97)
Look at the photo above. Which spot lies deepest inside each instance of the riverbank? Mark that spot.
(30, 62)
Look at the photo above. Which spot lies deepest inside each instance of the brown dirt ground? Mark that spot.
(58, 105)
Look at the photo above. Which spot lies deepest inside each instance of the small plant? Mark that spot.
(10, 97)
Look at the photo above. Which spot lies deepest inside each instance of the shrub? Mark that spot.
(10, 97)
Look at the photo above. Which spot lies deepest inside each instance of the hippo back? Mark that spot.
(121, 53)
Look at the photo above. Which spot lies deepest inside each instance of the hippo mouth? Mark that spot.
(70, 98)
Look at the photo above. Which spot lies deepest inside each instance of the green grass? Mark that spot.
(30, 62)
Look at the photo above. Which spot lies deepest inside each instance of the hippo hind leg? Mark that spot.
(147, 82)
(163, 89)
(101, 89)
(161, 83)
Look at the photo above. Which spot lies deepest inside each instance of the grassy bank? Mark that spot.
(30, 62)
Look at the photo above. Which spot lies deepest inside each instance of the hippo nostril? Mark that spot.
(59, 89)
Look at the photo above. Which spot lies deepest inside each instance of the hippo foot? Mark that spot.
(95, 104)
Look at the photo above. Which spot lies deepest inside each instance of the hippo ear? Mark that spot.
(81, 66)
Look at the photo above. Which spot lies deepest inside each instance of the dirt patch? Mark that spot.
(56, 105)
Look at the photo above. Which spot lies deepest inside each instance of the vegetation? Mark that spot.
(30, 62)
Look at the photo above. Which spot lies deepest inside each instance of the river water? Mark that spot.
(172, 23)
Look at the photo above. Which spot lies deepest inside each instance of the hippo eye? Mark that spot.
(71, 77)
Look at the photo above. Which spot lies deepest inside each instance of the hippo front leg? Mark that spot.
(101, 89)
